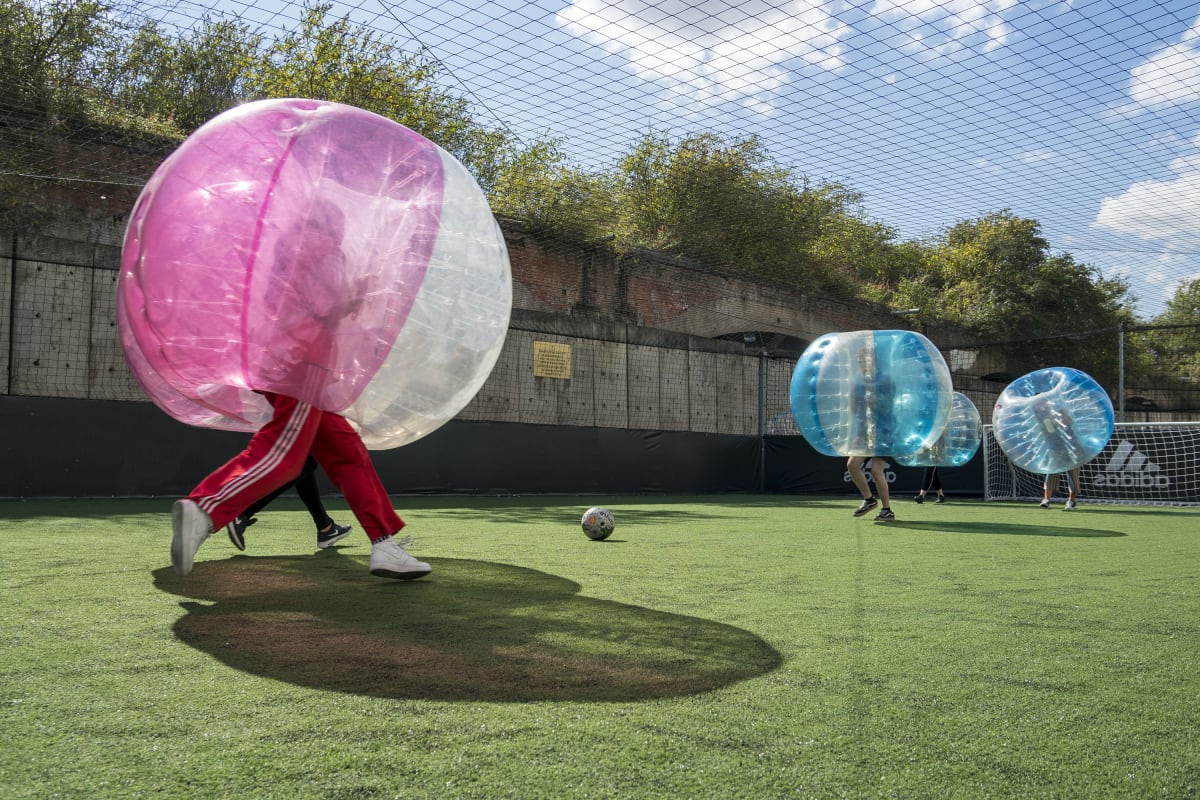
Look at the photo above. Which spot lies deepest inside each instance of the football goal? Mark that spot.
(1149, 463)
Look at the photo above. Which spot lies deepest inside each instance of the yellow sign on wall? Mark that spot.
(551, 360)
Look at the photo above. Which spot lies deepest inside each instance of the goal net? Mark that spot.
(1142, 464)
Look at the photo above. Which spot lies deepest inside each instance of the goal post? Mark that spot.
(1147, 463)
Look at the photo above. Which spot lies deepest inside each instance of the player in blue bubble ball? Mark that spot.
(931, 481)
(881, 385)
(328, 531)
(1050, 485)
(1061, 447)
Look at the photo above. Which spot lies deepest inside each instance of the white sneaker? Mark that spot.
(1070, 506)
(191, 527)
(1044, 504)
(389, 560)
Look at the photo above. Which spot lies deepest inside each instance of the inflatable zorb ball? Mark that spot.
(958, 443)
(315, 250)
(1052, 420)
(871, 393)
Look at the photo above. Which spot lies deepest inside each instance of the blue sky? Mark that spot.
(1084, 116)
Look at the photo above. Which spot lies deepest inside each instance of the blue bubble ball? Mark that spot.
(871, 393)
(958, 443)
(1052, 420)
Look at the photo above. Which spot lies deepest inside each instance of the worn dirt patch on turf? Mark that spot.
(471, 631)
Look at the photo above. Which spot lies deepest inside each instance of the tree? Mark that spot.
(863, 254)
(1173, 340)
(334, 60)
(189, 80)
(47, 55)
(538, 186)
(720, 203)
(727, 205)
(995, 277)
(1184, 305)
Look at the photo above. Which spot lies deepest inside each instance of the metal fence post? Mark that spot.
(762, 420)
(1121, 372)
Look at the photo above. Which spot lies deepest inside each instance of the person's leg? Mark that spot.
(881, 484)
(341, 453)
(310, 494)
(236, 528)
(272, 458)
(259, 505)
(854, 467)
(328, 531)
(1072, 488)
(1049, 486)
(879, 473)
(927, 479)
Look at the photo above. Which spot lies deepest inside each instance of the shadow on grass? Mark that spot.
(473, 630)
(1004, 528)
(531, 513)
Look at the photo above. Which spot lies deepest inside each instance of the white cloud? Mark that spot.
(988, 166)
(1036, 156)
(947, 26)
(1155, 277)
(1002, 166)
(1169, 77)
(712, 51)
(1163, 211)
(721, 50)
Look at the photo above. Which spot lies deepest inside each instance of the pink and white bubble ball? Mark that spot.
(316, 250)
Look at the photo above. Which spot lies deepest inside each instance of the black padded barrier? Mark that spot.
(53, 447)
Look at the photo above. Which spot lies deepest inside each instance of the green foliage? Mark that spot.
(538, 186)
(723, 204)
(48, 54)
(187, 80)
(862, 252)
(1174, 346)
(995, 277)
(334, 60)
(73, 61)
(1184, 305)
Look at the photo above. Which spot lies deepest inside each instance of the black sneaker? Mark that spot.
(941, 499)
(920, 498)
(885, 515)
(866, 506)
(237, 531)
(335, 534)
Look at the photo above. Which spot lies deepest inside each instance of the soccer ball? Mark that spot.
(598, 523)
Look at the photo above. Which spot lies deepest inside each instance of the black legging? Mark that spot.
(931, 481)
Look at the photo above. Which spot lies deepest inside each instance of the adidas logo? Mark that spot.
(1128, 467)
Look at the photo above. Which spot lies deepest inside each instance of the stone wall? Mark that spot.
(644, 332)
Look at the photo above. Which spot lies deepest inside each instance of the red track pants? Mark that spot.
(275, 455)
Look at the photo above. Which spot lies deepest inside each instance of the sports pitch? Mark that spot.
(723, 646)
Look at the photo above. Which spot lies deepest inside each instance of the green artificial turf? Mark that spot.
(714, 647)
